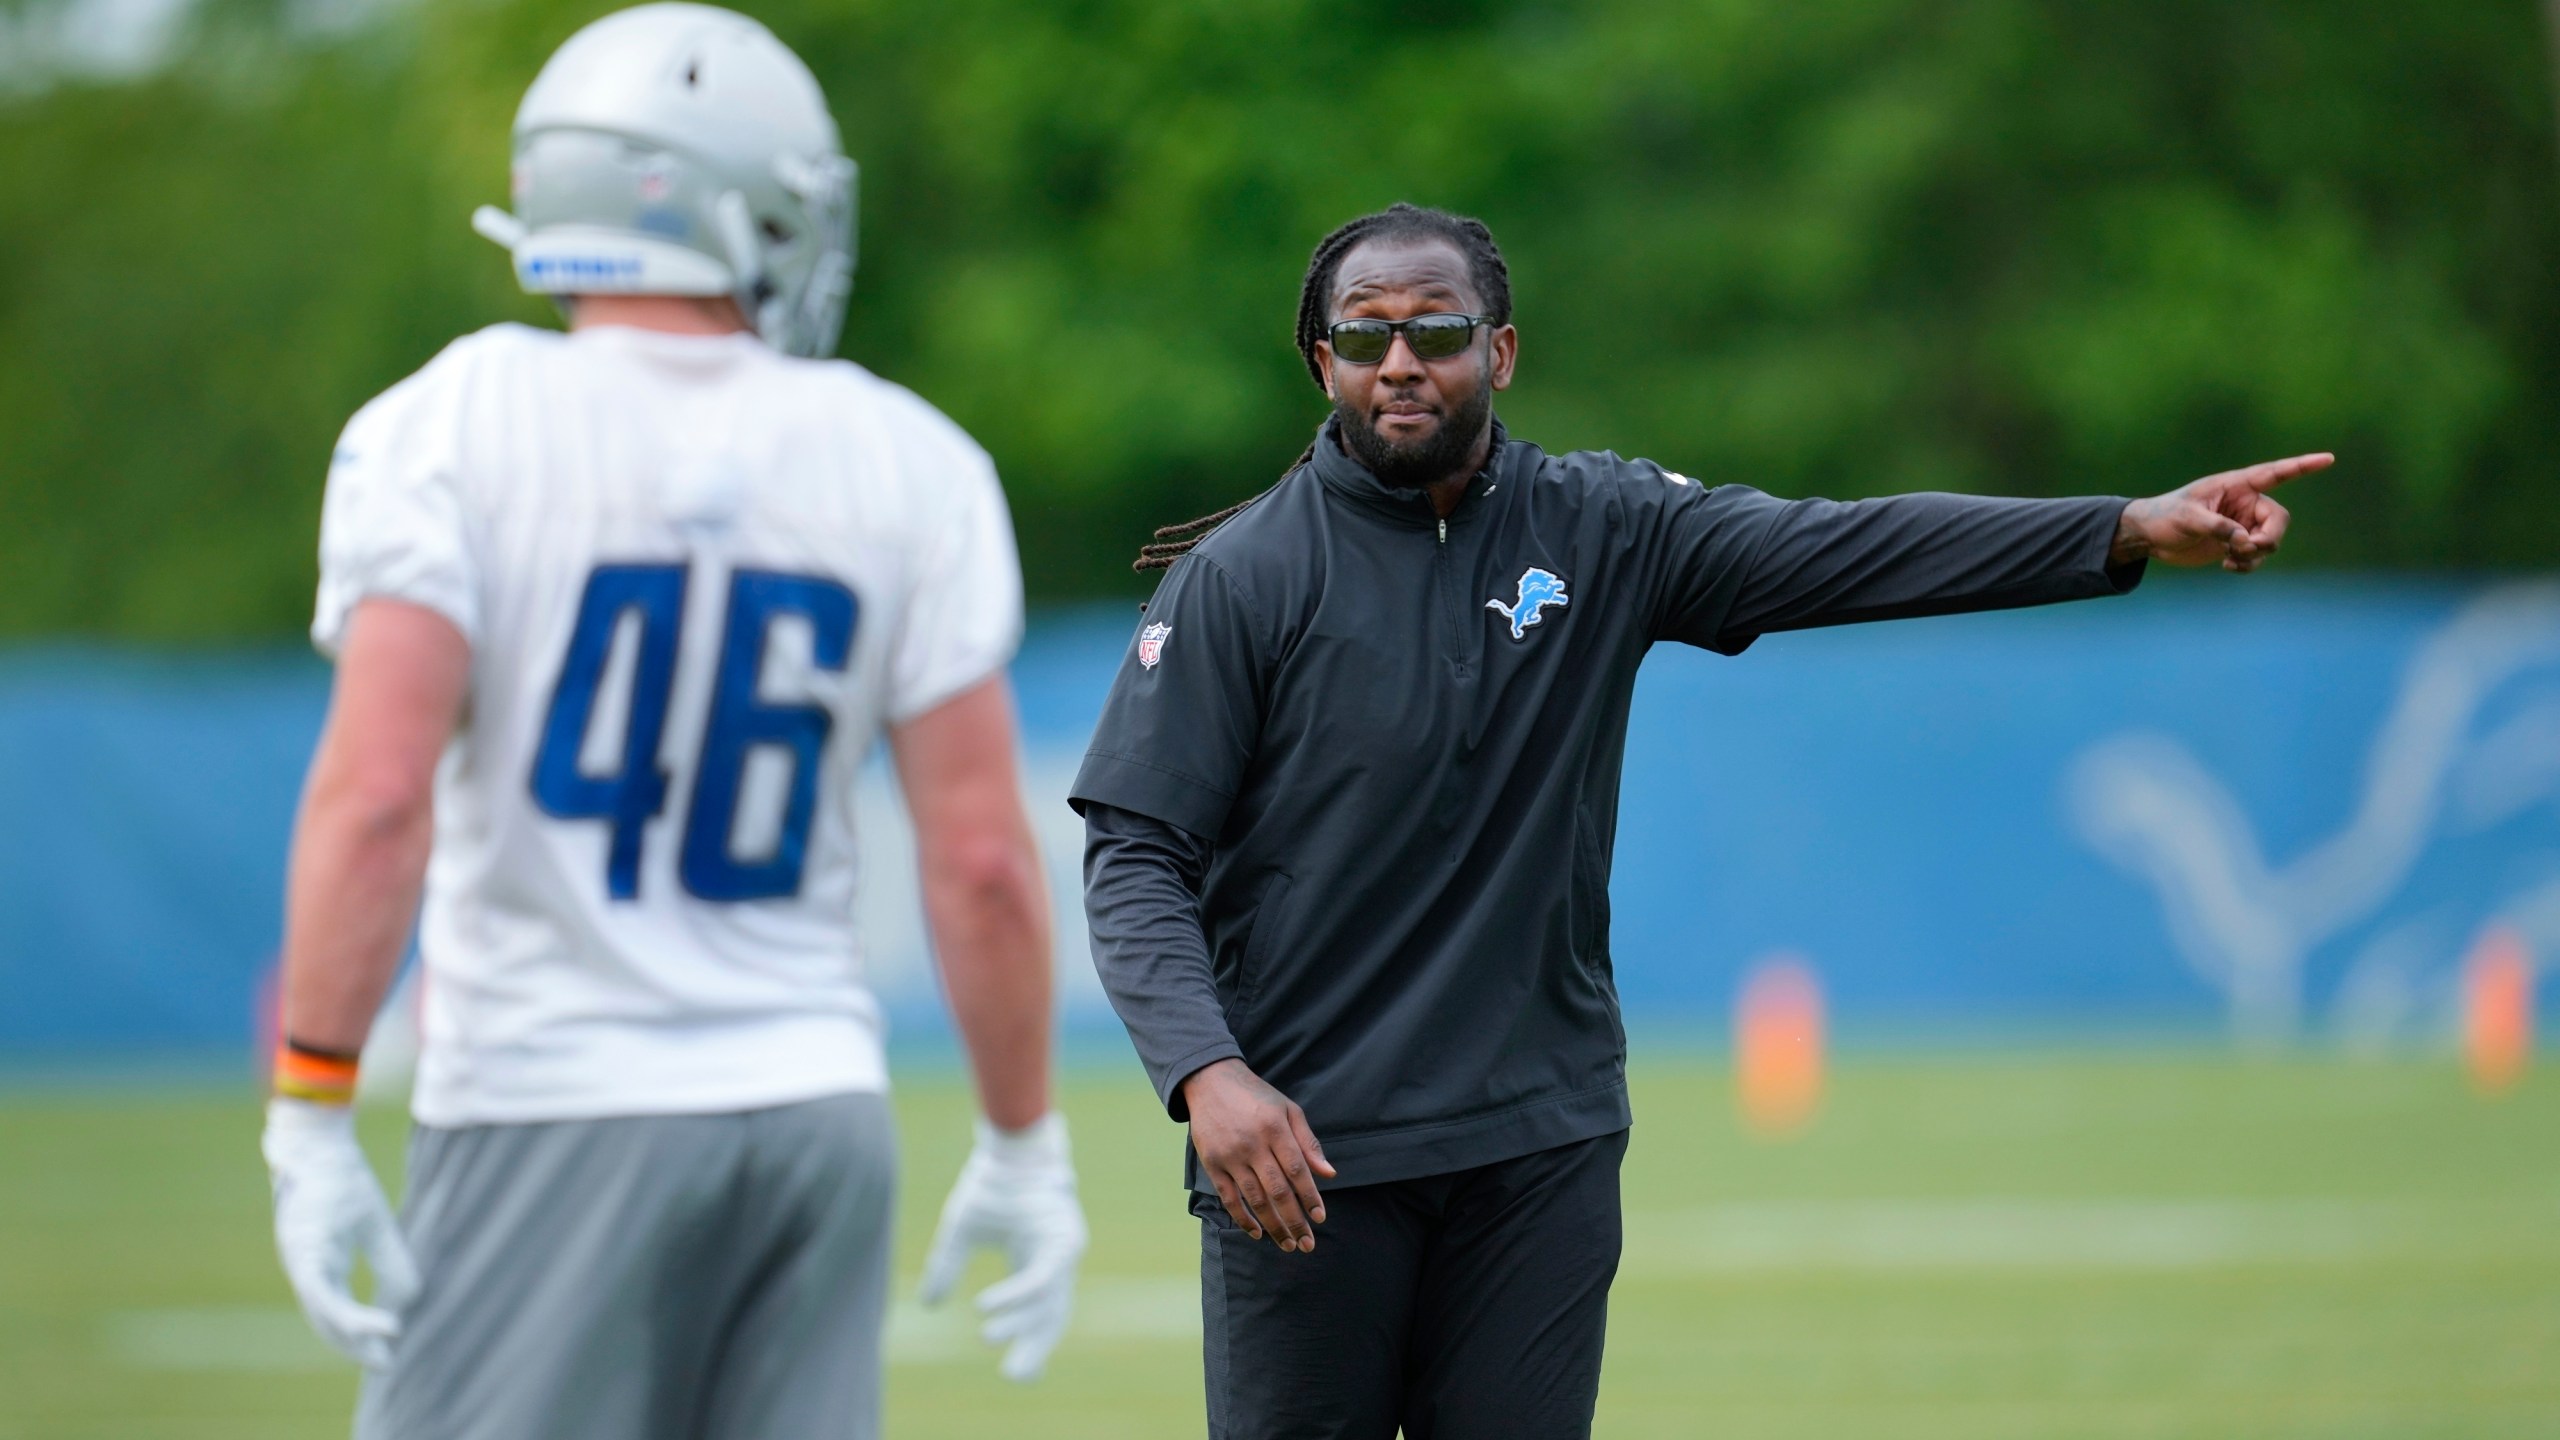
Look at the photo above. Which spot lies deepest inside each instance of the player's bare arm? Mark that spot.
(647, 978)
(2228, 518)
(360, 844)
(1256, 1147)
(984, 896)
(988, 907)
(359, 857)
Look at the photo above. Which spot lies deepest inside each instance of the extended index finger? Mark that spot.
(2267, 476)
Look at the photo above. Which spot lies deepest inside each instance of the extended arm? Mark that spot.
(1821, 562)
(989, 910)
(1824, 562)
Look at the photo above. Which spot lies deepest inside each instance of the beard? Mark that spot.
(1417, 463)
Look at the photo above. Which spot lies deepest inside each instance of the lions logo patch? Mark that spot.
(1538, 590)
(1151, 644)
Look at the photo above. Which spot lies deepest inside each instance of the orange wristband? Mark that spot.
(314, 1075)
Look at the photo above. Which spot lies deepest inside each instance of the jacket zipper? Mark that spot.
(1448, 606)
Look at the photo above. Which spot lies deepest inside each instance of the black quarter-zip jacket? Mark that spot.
(1351, 801)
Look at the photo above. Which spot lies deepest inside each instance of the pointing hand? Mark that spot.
(2226, 517)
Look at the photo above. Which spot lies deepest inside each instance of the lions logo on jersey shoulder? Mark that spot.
(1151, 644)
(1538, 590)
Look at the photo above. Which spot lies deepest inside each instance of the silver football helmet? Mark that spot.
(679, 149)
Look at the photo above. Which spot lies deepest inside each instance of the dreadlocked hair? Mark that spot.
(1485, 270)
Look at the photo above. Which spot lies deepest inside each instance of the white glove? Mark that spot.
(1017, 1194)
(328, 1208)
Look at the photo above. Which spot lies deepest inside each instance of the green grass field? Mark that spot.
(2126, 1246)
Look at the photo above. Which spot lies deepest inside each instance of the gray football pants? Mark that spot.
(679, 1277)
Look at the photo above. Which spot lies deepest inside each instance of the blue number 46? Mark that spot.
(633, 793)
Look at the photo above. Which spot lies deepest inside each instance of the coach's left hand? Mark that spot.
(1017, 1195)
(2226, 517)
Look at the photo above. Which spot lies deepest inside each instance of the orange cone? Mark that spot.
(2497, 1010)
(1778, 1047)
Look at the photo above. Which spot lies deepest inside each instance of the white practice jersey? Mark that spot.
(698, 578)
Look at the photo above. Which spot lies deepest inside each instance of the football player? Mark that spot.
(617, 614)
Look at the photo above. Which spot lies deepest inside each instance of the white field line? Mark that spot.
(1110, 1309)
(241, 1339)
(2013, 1235)
(1996, 1234)
(273, 1340)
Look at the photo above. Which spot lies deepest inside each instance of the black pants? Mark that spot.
(1466, 1306)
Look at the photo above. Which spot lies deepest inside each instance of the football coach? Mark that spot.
(1349, 814)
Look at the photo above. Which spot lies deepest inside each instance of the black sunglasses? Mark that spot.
(1433, 337)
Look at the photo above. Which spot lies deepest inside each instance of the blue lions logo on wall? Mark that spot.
(1538, 590)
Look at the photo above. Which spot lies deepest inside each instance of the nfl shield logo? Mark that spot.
(1151, 644)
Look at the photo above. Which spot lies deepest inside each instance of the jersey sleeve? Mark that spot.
(1185, 712)
(394, 523)
(963, 620)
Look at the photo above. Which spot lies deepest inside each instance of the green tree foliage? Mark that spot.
(2033, 248)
